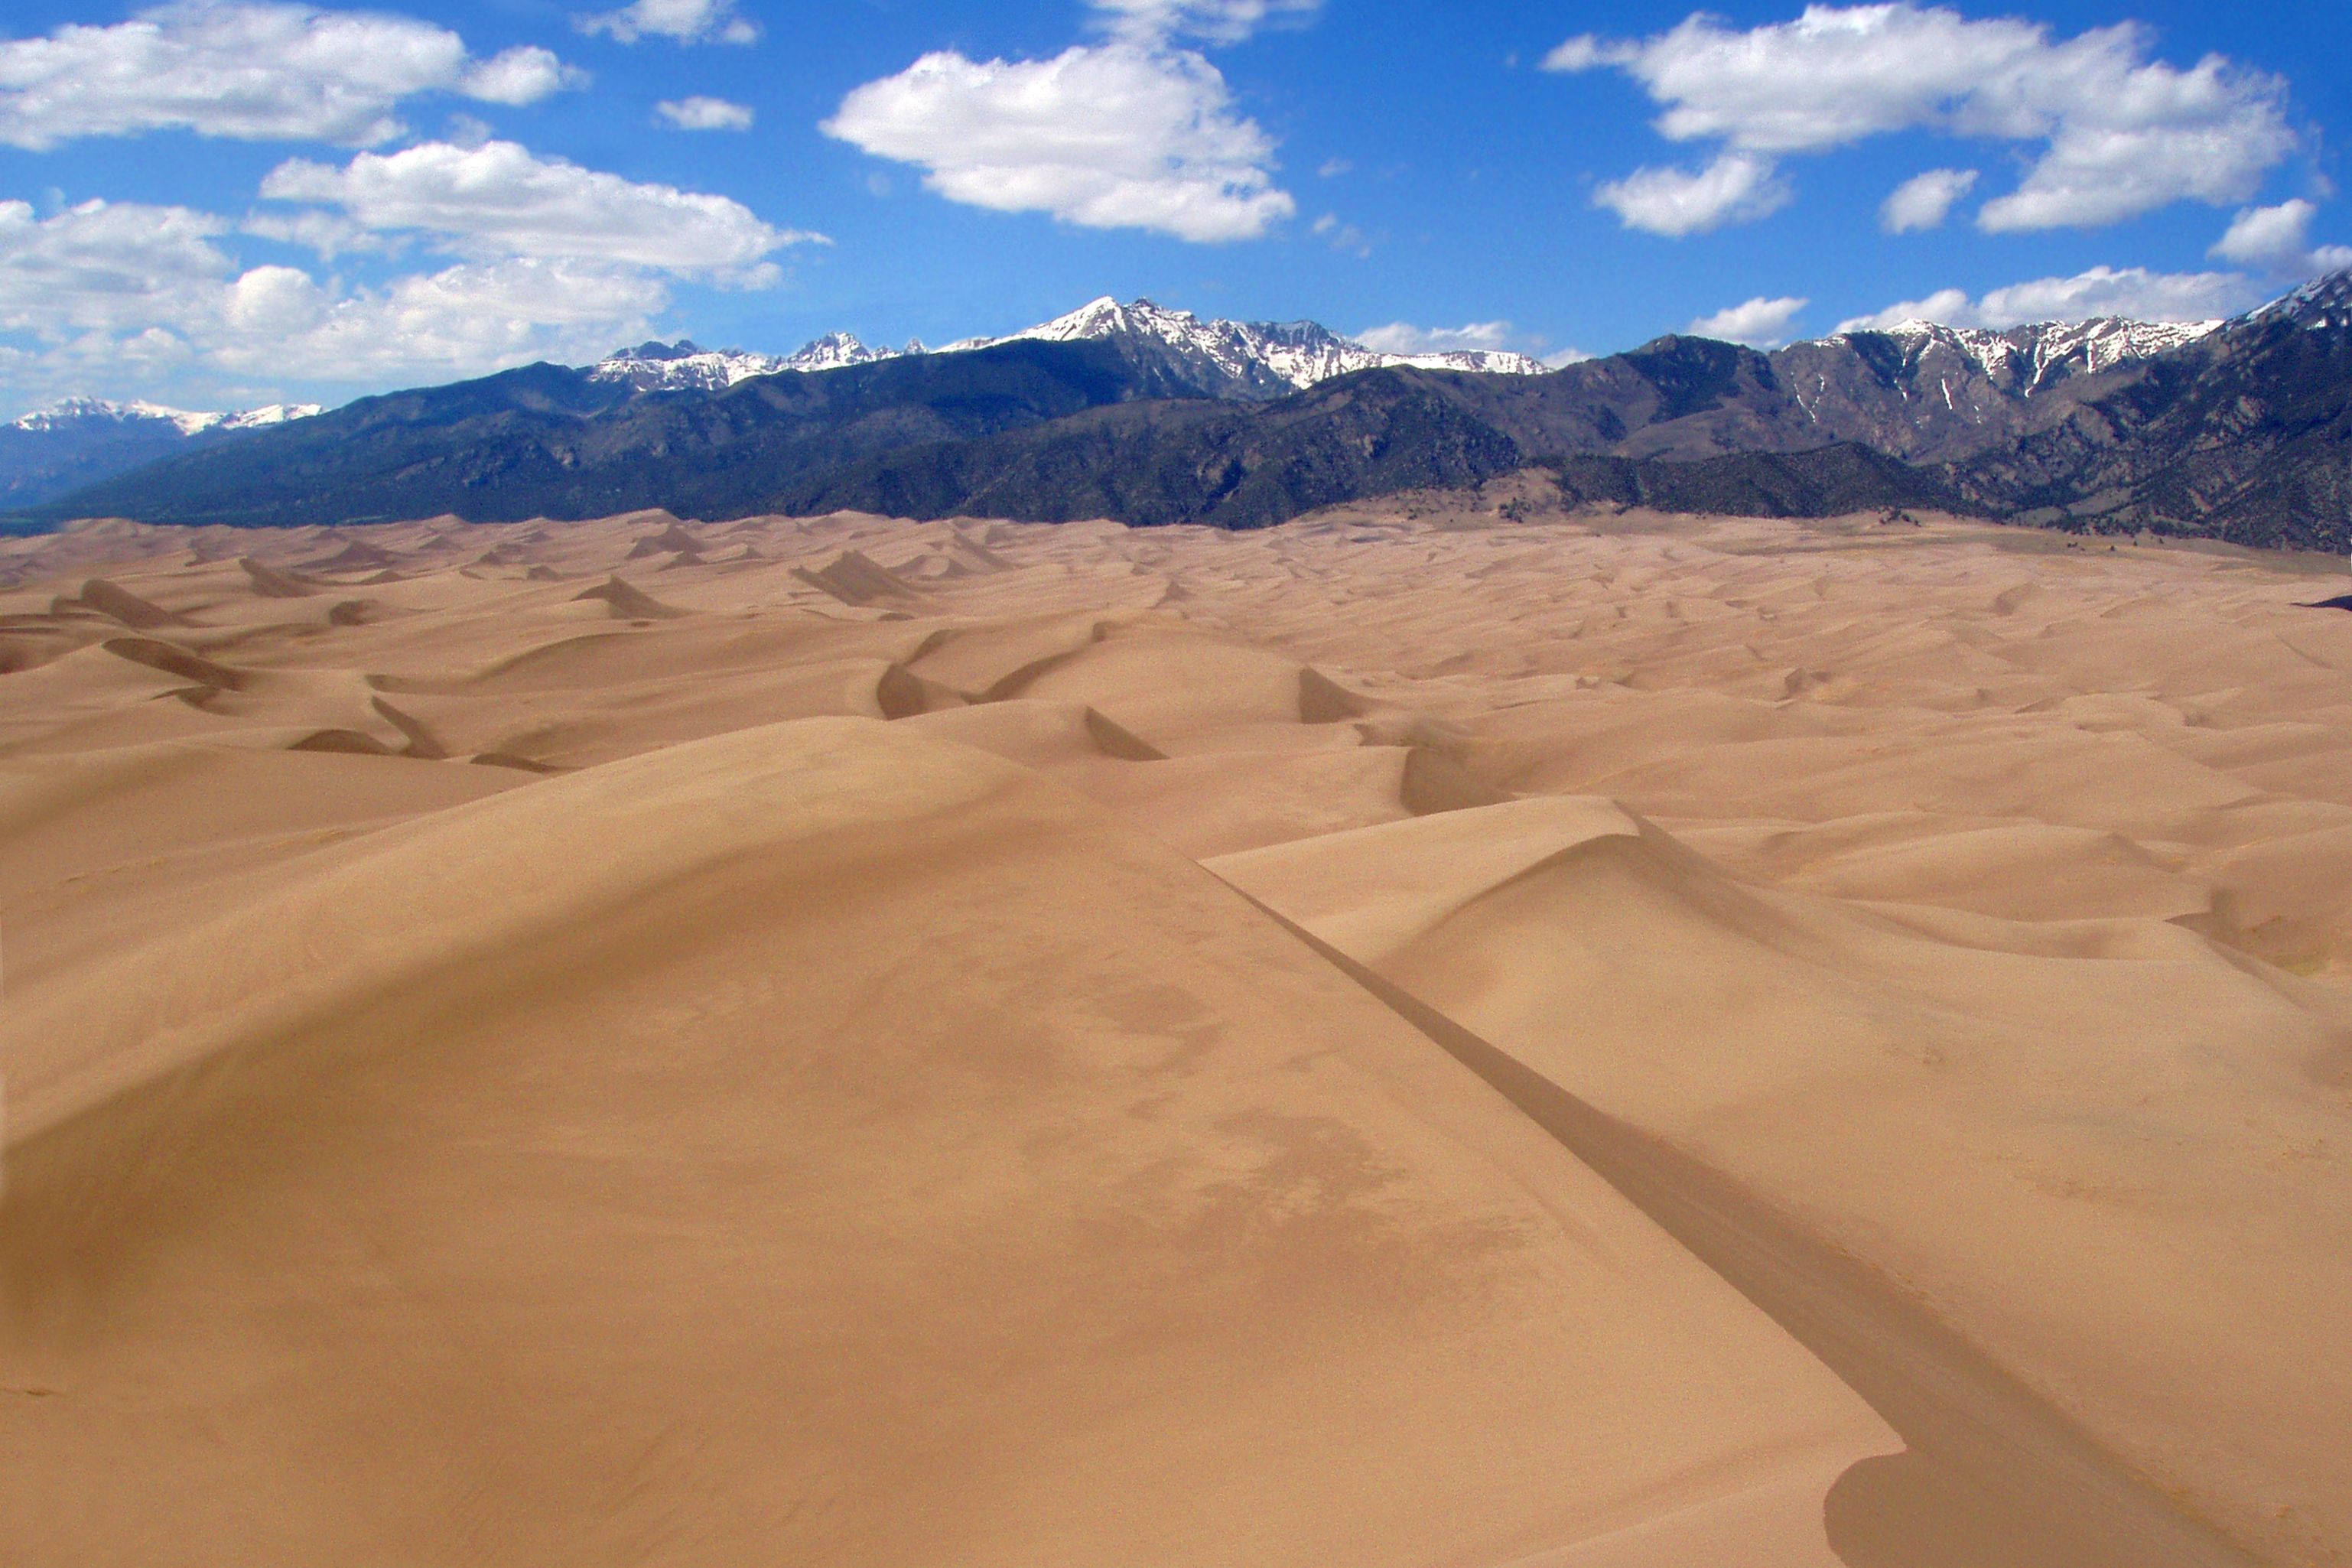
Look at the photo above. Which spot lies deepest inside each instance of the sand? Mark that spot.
(1415, 1037)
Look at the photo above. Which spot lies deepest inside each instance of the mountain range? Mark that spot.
(57, 450)
(2239, 429)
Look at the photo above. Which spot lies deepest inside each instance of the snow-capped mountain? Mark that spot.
(72, 412)
(81, 439)
(688, 366)
(683, 366)
(1930, 393)
(1254, 358)
(2323, 304)
(1218, 358)
(2024, 360)
(835, 351)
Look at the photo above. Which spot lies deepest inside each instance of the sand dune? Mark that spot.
(593, 1208)
(2035, 1204)
(1413, 1038)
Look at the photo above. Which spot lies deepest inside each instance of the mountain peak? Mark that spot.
(2321, 304)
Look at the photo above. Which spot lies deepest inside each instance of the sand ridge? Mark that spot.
(1674, 997)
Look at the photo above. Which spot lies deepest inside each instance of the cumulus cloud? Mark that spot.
(106, 267)
(705, 114)
(1118, 135)
(1760, 322)
(2120, 134)
(1215, 21)
(2266, 236)
(1925, 201)
(1736, 188)
(2134, 292)
(467, 319)
(500, 200)
(112, 297)
(1403, 338)
(2278, 240)
(251, 71)
(687, 21)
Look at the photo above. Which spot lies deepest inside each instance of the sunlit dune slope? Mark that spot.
(822, 1143)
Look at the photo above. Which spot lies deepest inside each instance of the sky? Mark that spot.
(223, 202)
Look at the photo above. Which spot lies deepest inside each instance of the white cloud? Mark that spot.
(1760, 322)
(687, 21)
(1119, 135)
(1560, 359)
(1738, 187)
(1925, 201)
(1344, 237)
(2267, 237)
(705, 114)
(2278, 240)
(1585, 51)
(559, 262)
(325, 233)
(520, 76)
(1403, 338)
(2120, 134)
(2134, 292)
(107, 268)
(117, 299)
(467, 319)
(499, 200)
(251, 71)
(1215, 21)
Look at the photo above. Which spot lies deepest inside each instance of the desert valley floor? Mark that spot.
(1426, 1037)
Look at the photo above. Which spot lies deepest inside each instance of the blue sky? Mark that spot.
(320, 202)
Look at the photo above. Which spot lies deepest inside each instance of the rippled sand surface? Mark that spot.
(1410, 1039)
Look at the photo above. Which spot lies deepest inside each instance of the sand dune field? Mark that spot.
(1413, 1039)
